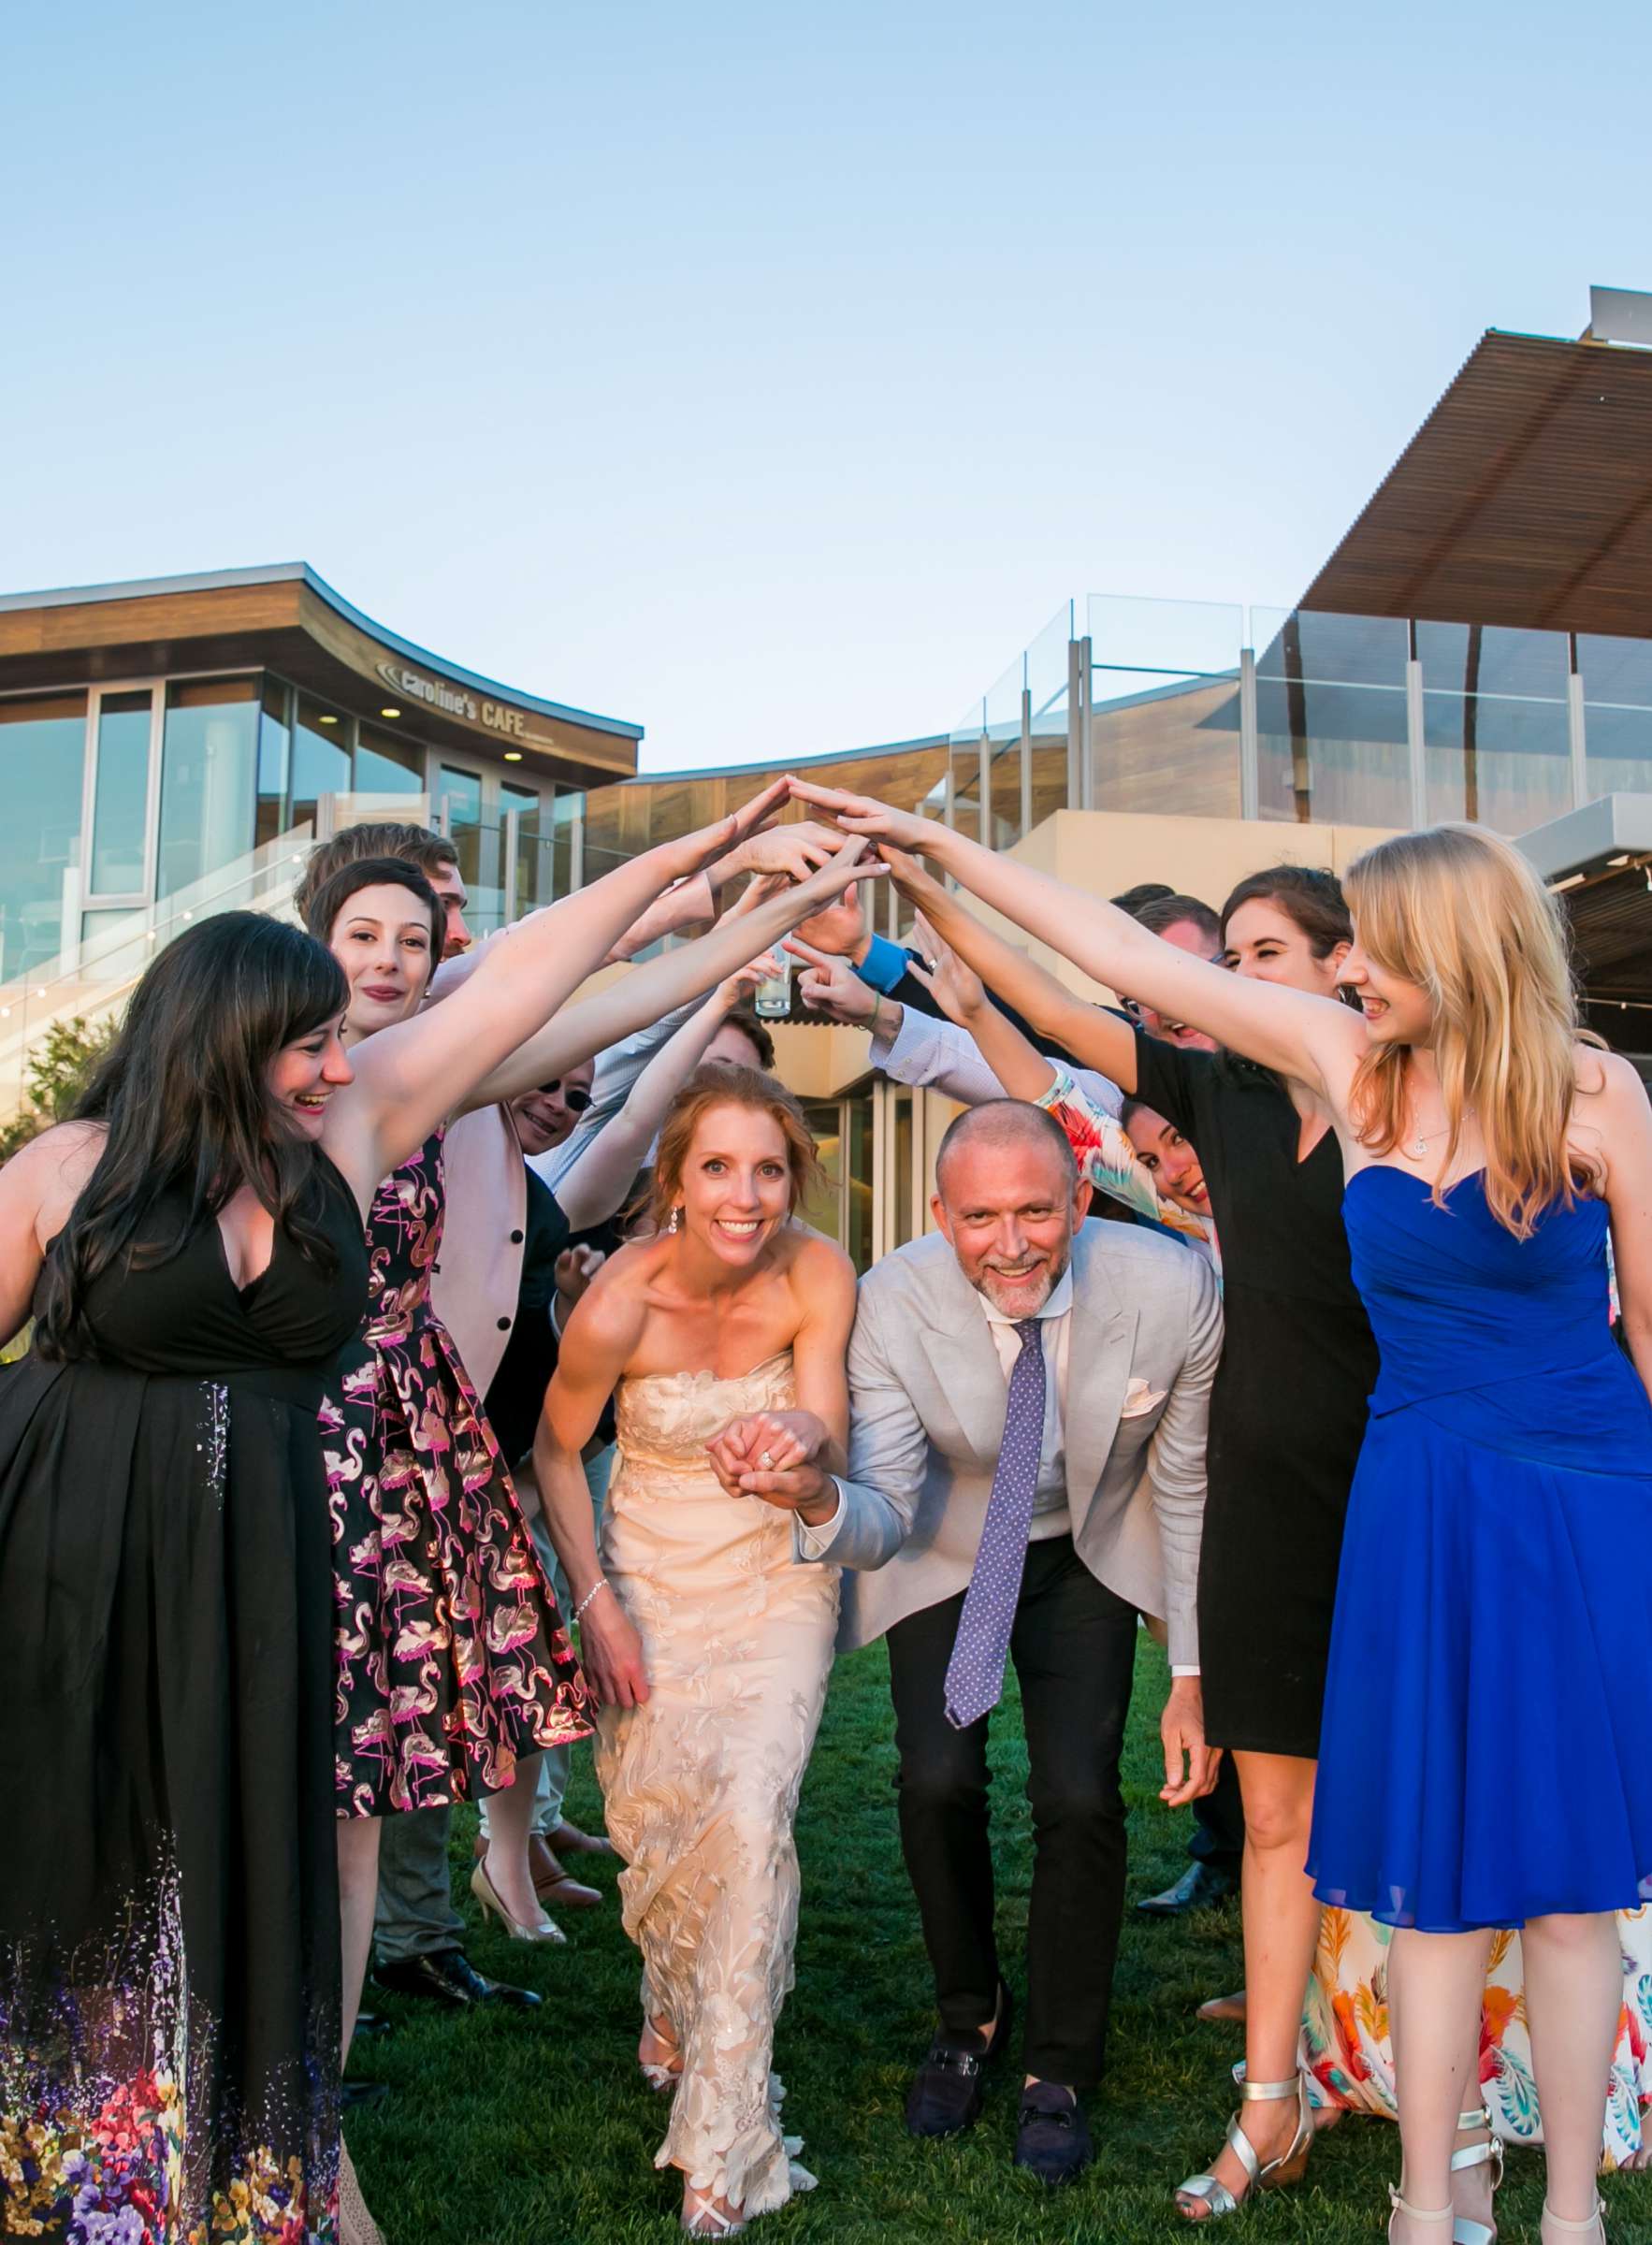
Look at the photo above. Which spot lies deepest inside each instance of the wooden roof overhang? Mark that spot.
(1524, 499)
(287, 619)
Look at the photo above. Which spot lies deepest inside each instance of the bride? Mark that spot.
(724, 1335)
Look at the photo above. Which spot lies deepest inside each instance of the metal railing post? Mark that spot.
(1250, 738)
(1414, 742)
(1026, 763)
(1576, 730)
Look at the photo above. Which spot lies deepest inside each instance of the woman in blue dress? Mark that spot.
(1501, 1510)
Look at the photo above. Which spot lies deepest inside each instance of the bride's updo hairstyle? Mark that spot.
(1461, 913)
(718, 1085)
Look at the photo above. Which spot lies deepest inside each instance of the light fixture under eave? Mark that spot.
(327, 717)
(1572, 880)
(389, 713)
(513, 756)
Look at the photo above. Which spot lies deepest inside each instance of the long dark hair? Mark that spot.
(183, 1097)
(329, 897)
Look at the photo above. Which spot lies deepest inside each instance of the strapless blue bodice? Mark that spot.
(1505, 1341)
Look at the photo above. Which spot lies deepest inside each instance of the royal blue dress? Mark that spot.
(1484, 1754)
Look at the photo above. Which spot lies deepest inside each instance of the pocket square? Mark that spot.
(1139, 1399)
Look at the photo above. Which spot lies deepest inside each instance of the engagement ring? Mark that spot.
(767, 1458)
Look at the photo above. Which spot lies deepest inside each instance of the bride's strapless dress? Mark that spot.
(702, 1781)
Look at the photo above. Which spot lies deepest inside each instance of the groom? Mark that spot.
(1026, 1475)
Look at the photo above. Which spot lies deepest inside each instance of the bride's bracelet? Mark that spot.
(602, 1583)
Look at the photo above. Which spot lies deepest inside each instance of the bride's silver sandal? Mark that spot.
(1270, 2174)
(1488, 2154)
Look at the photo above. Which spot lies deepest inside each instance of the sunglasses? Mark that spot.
(575, 1099)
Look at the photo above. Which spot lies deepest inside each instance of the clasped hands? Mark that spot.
(772, 1456)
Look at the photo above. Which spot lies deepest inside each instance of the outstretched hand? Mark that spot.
(957, 989)
(865, 815)
(692, 853)
(830, 986)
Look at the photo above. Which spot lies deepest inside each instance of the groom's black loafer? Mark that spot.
(949, 2086)
(1052, 2139)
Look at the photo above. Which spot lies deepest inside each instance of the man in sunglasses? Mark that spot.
(546, 1116)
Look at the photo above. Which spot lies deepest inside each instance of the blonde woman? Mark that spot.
(725, 1335)
(1506, 1472)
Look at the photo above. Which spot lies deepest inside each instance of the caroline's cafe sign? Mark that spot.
(457, 702)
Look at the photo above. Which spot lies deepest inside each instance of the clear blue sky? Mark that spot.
(768, 374)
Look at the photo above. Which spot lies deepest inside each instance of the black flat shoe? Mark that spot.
(950, 2088)
(447, 1975)
(1052, 2136)
(1200, 1888)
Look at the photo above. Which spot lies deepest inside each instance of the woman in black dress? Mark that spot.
(192, 1250)
(1288, 1416)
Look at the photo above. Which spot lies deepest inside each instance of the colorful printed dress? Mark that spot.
(169, 1892)
(452, 1659)
(1107, 1160)
(1352, 2057)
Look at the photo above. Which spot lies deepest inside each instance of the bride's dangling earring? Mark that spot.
(675, 1224)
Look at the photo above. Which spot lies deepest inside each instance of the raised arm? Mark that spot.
(1316, 1040)
(594, 1185)
(409, 1078)
(1100, 1039)
(660, 984)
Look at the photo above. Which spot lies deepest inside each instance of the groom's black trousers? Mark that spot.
(1074, 1650)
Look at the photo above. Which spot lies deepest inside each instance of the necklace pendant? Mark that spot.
(1419, 1150)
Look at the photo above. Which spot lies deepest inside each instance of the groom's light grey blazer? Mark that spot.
(927, 1397)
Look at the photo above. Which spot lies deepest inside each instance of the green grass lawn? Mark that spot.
(500, 2127)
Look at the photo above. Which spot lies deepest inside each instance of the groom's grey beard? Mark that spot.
(1055, 1270)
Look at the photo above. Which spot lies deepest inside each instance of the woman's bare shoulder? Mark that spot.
(51, 1170)
(814, 1261)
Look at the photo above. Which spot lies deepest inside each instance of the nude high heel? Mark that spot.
(661, 2074)
(705, 2218)
(1415, 2213)
(1594, 2228)
(488, 1896)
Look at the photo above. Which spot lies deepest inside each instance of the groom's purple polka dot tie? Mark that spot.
(975, 1673)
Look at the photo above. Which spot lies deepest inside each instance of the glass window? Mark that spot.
(1617, 676)
(526, 884)
(321, 757)
(42, 769)
(119, 809)
(567, 812)
(459, 798)
(208, 778)
(275, 756)
(822, 1205)
(1337, 650)
(387, 764)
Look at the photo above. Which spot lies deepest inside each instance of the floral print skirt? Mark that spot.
(452, 1658)
(1352, 2057)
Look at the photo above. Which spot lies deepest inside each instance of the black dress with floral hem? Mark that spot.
(452, 1658)
(169, 1894)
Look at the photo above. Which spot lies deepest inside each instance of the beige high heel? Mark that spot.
(488, 1896)
(356, 2226)
(1270, 2174)
(1488, 2154)
(1594, 2228)
(1413, 2213)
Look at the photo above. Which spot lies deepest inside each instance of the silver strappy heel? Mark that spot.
(1488, 2154)
(1415, 2213)
(1272, 2175)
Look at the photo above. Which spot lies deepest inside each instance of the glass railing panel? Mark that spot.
(1166, 639)
(1172, 749)
(1332, 754)
(1491, 658)
(1335, 650)
(1504, 763)
(965, 802)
